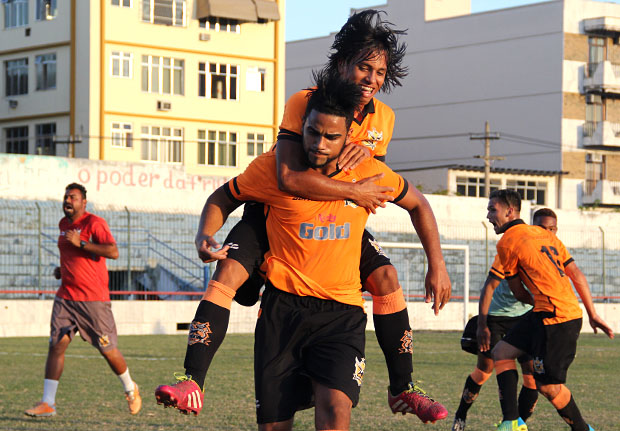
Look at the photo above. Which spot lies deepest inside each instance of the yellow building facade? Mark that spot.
(197, 83)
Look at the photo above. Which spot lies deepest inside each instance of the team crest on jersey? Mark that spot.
(539, 366)
(360, 367)
(406, 342)
(350, 204)
(104, 340)
(199, 333)
(377, 247)
(374, 136)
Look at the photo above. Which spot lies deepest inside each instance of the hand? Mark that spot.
(370, 195)
(438, 286)
(73, 236)
(204, 246)
(483, 335)
(57, 274)
(597, 322)
(352, 155)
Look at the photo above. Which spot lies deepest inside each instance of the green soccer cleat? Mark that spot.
(514, 425)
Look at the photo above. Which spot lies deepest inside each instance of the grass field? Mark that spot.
(90, 397)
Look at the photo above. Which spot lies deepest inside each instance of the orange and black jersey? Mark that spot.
(374, 131)
(497, 270)
(315, 245)
(538, 257)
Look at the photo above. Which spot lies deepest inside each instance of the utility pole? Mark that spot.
(487, 136)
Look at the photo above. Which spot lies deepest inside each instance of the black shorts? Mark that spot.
(248, 244)
(553, 347)
(499, 327)
(299, 339)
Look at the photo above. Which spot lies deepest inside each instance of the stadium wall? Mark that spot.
(31, 318)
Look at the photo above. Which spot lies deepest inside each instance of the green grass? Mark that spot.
(90, 397)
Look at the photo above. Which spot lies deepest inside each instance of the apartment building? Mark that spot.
(197, 83)
(545, 76)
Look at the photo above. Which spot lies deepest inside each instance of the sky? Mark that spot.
(307, 18)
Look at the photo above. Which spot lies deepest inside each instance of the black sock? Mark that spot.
(395, 338)
(572, 416)
(206, 333)
(507, 383)
(527, 402)
(470, 393)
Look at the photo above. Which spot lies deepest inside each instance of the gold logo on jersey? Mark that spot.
(539, 366)
(406, 342)
(360, 367)
(377, 247)
(199, 333)
(373, 137)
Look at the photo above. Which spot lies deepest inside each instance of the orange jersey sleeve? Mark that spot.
(497, 270)
(538, 257)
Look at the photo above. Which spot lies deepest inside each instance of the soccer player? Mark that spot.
(310, 332)
(366, 51)
(534, 256)
(83, 301)
(499, 311)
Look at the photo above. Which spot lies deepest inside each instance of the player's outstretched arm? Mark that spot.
(214, 214)
(483, 334)
(581, 286)
(295, 178)
(437, 284)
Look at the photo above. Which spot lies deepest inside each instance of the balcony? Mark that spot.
(602, 26)
(601, 192)
(601, 134)
(603, 77)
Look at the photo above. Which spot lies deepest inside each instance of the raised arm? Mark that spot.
(581, 286)
(437, 282)
(214, 214)
(295, 178)
(483, 334)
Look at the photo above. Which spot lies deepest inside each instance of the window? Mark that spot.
(255, 79)
(221, 24)
(122, 135)
(166, 12)
(45, 144)
(45, 67)
(255, 144)
(121, 64)
(121, 3)
(17, 140)
(162, 75)
(221, 79)
(163, 144)
(217, 148)
(594, 113)
(596, 53)
(46, 9)
(15, 13)
(16, 77)
(595, 171)
(535, 191)
(474, 186)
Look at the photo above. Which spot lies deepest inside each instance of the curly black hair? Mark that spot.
(363, 36)
(77, 186)
(333, 95)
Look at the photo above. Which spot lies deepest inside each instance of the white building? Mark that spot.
(544, 76)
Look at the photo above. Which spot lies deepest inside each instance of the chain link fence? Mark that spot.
(158, 258)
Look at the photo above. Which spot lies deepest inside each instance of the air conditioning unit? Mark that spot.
(594, 158)
(204, 37)
(163, 106)
(12, 103)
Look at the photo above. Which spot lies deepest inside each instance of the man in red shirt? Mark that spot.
(83, 301)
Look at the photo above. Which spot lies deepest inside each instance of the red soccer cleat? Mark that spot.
(414, 400)
(185, 395)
